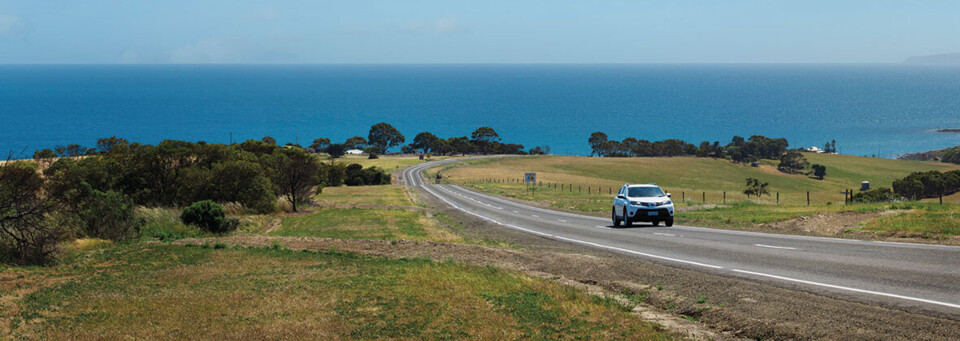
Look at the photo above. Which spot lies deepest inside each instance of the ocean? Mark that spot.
(869, 110)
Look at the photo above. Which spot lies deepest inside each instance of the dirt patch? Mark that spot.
(824, 224)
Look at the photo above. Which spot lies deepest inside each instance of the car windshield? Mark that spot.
(644, 192)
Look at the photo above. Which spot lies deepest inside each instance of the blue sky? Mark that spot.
(489, 31)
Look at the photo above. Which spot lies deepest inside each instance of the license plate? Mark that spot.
(652, 213)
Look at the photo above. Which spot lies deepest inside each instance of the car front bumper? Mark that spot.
(647, 214)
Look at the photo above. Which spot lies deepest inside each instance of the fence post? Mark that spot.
(704, 197)
(579, 189)
(683, 196)
(808, 198)
(778, 198)
(724, 197)
(589, 189)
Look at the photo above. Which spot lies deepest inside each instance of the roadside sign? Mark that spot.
(530, 177)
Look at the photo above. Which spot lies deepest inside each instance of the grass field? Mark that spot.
(388, 163)
(685, 177)
(163, 291)
(356, 223)
(585, 184)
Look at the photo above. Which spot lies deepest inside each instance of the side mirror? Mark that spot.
(621, 196)
(669, 195)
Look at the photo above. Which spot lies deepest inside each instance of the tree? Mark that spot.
(356, 142)
(460, 145)
(72, 150)
(484, 139)
(336, 150)
(25, 224)
(45, 156)
(269, 140)
(294, 173)
(755, 187)
(424, 141)
(793, 163)
(819, 171)
(384, 136)
(112, 144)
(108, 215)
(598, 141)
(440, 146)
(243, 182)
(320, 143)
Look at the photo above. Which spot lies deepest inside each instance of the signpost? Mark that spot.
(530, 178)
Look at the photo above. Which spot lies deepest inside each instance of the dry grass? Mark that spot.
(371, 195)
(162, 291)
(686, 177)
(357, 223)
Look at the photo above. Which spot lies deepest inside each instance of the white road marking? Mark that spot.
(664, 234)
(516, 211)
(561, 220)
(776, 247)
(600, 227)
(535, 216)
(849, 289)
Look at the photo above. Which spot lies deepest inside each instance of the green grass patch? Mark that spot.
(926, 220)
(163, 291)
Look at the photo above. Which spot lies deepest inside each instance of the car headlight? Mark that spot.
(668, 202)
(636, 203)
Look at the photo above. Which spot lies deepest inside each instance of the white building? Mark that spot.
(354, 152)
(815, 150)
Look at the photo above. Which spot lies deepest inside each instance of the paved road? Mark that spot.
(898, 275)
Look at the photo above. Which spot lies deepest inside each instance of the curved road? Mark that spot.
(898, 275)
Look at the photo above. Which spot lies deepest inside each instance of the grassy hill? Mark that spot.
(690, 177)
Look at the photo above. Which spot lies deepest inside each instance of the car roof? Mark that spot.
(643, 185)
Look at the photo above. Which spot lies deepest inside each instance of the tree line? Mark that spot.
(383, 136)
(739, 149)
(95, 192)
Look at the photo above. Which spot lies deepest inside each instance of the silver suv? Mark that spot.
(646, 203)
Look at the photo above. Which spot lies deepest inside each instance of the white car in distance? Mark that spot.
(646, 203)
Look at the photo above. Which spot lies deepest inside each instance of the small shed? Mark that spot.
(865, 186)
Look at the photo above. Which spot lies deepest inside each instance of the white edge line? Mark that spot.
(849, 288)
(776, 247)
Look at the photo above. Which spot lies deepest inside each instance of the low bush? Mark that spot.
(879, 194)
(109, 215)
(209, 216)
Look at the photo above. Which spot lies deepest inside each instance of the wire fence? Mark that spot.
(688, 196)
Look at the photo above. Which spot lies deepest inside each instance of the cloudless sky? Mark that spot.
(487, 31)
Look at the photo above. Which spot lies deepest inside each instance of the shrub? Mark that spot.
(109, 215)
(209, 216)
(879, 194)
(28, 235)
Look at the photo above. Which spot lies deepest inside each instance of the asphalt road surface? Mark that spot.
(897, 275)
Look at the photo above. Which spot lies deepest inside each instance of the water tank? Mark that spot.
(865, 185)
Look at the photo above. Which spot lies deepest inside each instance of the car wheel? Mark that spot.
(616, 221)
(626, 218)
(656, 223)
(669, 222)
